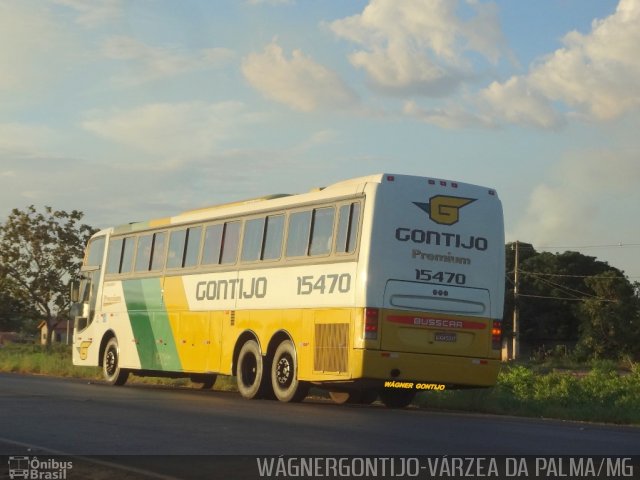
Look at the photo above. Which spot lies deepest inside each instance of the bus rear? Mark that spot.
(435, 284)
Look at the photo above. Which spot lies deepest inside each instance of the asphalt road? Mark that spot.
(74, 417)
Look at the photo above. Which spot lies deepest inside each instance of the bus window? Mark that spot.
(273, 237)
(127, 254)
(193, 247)
(176, 248)
(322, 231)
(252, 242)
(114, 255)
(298, 236)
(143, 253)
(157, 256)
(212, 244)
(230, 242)
(348, 228)
(95, 252)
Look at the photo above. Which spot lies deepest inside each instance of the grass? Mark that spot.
(598, 392)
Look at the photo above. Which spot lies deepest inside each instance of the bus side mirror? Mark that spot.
(74, 291)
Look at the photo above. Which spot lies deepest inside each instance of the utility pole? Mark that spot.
(515, 347)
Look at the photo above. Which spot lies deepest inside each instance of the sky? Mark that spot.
(132, 110)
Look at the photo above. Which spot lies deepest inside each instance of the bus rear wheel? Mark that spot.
(397, 398)
(250, 371)
(284, 375)
(113, 374)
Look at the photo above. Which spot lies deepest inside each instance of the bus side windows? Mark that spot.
(230, 242)
(221, 243)
(322, 231)
(177, 240)
(252, 242)
(310, 232)
(194, 236)
(150, 252)
(95, 252)
(348, 223)
(273, 233)
(120, 255)
(128, 248)
(184, 247)
(298, 235)
(114, 255)
(263, 238)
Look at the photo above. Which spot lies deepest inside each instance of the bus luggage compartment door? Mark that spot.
(437, 319)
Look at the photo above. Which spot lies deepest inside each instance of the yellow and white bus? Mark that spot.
(383, 285)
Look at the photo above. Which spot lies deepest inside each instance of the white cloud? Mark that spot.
(421, 46)
(594, 76)
(172, 130)
(150, 63)
(299, 82)
(588, 195)
(596, 73)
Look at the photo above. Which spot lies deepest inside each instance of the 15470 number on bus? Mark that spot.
(324, 284)
(440, 277)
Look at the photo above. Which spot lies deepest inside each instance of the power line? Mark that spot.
(538, 274)
(573, 299)
(606, 245)
(610, 245)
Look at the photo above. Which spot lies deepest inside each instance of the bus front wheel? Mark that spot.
(284, 375)
(113, 374)
(250, 371)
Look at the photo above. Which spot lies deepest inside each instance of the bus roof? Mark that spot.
(345, 187)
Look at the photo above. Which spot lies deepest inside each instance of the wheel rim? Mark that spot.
(111, 362)
(249, 370)
(284, 373)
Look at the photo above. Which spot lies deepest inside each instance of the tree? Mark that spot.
(40, 253)
(573, 298)
(14, 315)
(611, 322)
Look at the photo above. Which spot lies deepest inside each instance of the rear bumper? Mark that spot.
(453, 371)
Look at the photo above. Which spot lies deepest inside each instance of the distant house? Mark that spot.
(61, 334)
(8, 337)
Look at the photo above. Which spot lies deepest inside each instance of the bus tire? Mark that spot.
(250, 371)
(113, 374)
(284, 375)
(396, 398)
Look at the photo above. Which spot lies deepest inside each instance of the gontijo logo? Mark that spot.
(443, 209)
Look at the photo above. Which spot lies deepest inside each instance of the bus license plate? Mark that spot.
(445, 337)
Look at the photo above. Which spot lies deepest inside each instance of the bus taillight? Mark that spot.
(496, 335)
(371, 321)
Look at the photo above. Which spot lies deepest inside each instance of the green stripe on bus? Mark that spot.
(150, 325)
